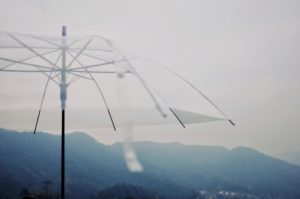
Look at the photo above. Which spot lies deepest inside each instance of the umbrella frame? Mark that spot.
(63, 84)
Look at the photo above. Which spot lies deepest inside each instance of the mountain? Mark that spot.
(171, 170)
(291, 156)
(120, 191)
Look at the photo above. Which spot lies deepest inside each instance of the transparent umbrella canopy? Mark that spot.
(90, 80)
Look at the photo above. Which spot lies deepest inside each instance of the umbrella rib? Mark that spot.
(150, 93)
(40, 69)
(78, 76)
(102, 72)
(44, 94)
(203, 95)
(79, 53)
(74, 72)
(57, 74)
(44, 72)
(24, 63)
(172, 111)
(72, 43)
(44, 40)
(195, 88)
(33, 47)
(25, 59)
(84, 71)
(101, 93)
(27, 71)
(30, 49)
(91, 56)
(93, 49)
(100, 37)
(91, 66)
(104, 100)
(33, 51)
(41, 39)
(179, 120)
(96, 65)
(143, 82)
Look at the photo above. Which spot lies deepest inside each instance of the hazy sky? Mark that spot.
(244, 54)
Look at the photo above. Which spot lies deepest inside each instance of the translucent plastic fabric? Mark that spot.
(105, 88)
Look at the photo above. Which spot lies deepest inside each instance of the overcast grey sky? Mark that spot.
(243, 54)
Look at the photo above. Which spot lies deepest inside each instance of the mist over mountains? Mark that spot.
(290, 156)
(171, 170)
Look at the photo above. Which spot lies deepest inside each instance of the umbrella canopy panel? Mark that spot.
(104, 87)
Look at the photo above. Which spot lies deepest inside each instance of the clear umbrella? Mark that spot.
(132, 91)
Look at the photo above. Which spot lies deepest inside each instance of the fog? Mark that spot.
(243, 54)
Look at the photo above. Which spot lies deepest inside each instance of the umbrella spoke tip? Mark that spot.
(231, 122)
(64, 31)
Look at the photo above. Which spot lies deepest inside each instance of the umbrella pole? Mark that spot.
(63, 98)
(62, 154)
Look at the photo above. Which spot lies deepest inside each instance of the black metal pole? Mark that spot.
(62, 154)
(63, 97)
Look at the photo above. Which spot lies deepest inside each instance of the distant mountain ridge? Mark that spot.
(290, 156)
(125, 191)
(172, 170)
